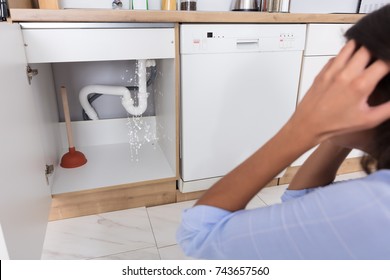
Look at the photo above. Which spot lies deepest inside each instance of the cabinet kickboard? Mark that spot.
(112, 199)
(350, 165)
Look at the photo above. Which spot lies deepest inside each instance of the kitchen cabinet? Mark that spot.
(35, 136)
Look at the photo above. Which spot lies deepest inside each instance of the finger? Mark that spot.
(371, 76)
(336, 64)
(344, 56)
(358, 62)
(326, 67)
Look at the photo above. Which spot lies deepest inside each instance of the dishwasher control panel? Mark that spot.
(222, 38)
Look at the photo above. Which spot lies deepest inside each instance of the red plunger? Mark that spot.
(73, 158)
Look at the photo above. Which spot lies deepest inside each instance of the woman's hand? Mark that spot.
(337, 101)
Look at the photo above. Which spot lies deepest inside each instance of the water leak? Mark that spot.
(141, 130)
(141, 134)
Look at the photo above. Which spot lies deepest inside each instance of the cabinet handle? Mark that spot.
(247, 43)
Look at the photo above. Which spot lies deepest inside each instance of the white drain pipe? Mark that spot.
(127, 101)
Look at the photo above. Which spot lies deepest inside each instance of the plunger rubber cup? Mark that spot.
(73, 159)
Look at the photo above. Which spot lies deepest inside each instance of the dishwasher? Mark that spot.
(239, 85)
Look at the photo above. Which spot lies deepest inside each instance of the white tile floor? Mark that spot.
(134, 234)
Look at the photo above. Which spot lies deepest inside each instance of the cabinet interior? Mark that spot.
(120, 149)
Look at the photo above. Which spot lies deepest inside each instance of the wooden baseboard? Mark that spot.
(273, 183)
(180, 197)
(111, 199)
(350, 165)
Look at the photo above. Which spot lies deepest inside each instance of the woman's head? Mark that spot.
(373, 32)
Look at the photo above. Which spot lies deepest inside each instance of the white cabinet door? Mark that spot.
(25, 197)
(311, 66)
(231, 105)
(325, 39)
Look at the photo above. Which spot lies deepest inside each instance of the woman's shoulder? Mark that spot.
(375, 184)
(380, 176)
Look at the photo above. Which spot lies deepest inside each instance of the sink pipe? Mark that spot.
(127, 100)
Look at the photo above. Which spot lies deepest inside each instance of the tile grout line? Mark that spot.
(263, 200)
(124, 252)
(154, 236)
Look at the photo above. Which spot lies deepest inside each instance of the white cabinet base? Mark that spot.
(111, 164)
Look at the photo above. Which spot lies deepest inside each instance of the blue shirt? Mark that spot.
(345, 220)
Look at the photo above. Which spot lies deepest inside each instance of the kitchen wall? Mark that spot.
(324, 7)
(213, 5)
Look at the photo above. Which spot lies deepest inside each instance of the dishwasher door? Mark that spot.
(232, 103)
(239, 85)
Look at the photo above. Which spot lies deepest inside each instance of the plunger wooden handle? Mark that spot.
(65, 104)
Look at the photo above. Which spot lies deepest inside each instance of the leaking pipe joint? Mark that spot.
(127, 100)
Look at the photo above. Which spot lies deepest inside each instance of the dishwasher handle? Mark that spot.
(247, 43)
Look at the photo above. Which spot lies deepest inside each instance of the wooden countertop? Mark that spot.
(89, 15)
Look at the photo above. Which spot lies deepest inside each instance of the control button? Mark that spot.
(196, 43)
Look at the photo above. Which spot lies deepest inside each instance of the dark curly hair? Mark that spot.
(373, 32)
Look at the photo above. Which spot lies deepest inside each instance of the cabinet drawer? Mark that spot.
(325, 39)
(66, 45)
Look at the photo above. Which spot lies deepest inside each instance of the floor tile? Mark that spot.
(173, 252)
(143, 254)
(165, 220)
(134, 234)
(98, 235)
(256, 202)
(271, 195)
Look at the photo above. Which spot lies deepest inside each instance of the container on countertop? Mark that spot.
(168, 5)
(188, 5)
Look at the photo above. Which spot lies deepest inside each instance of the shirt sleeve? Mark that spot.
(197, 222)
(322, 224)
(292, 194)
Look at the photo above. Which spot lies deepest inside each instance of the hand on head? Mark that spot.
(337, 101)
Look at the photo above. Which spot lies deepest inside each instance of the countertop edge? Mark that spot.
(90, 15)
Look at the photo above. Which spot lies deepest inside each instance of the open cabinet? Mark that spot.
(129, 158)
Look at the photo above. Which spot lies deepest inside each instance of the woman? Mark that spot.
(346, 107)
